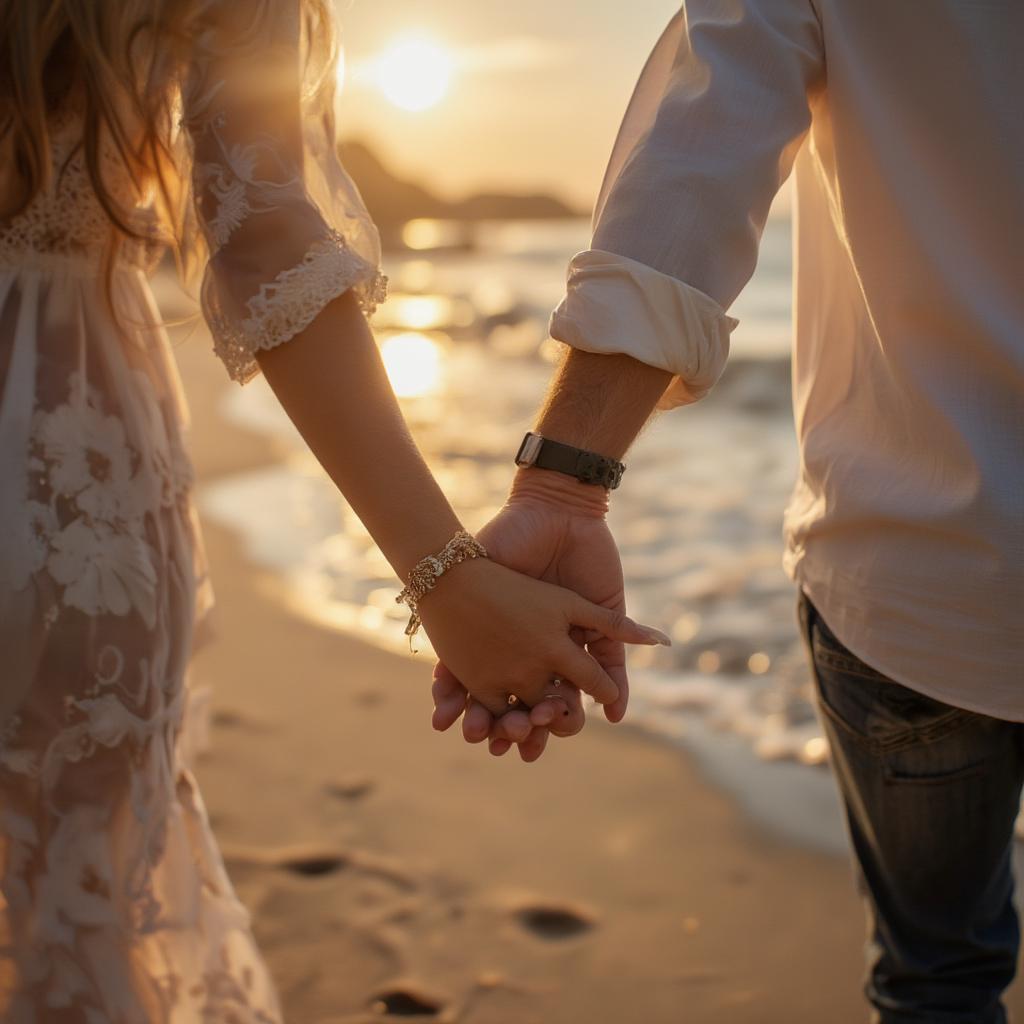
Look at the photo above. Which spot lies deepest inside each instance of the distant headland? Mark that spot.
(393, 202)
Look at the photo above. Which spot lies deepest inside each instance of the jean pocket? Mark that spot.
(910, 737)
(875, 709)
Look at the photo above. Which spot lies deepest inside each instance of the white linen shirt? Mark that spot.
(905, 122)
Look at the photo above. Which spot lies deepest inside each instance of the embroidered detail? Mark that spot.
(232, 209)
(89, 495)
(104, 570)
(290, 303)
(66, 221)
(238, 182)
(89, 460)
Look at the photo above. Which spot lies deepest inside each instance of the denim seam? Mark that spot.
(939, 779)
(935, 730)
(890, 776)
(845, 663)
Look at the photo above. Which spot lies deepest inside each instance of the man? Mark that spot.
(905, 533)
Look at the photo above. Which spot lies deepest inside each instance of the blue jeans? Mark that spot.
(931, 795)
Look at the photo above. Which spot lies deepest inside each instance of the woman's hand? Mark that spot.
(503, 634)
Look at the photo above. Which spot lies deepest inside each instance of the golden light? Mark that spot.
(759, 663)
(709, 661)
(423, 233)
(422, 312)
(426, 233)
(413, 363)
(815, 751)
(414, 73)
(427, 313)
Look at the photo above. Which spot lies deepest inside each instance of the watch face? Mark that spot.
(529, 450)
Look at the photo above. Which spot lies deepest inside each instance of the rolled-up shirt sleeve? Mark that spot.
(286, 229)
(710, 135)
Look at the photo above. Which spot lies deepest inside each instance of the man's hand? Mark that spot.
(552, 528)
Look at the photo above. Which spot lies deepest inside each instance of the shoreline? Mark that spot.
(387, 865)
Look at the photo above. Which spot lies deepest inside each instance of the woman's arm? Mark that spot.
(332, 383)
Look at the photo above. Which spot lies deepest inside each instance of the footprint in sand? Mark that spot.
(314, 861)
(554, 923)
(225, 718)
(406, 1002)
(308, 861)
(313, 864)
(369, 698)
(229, 718)
(354, 788)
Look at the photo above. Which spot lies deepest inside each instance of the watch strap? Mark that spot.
(587, 467)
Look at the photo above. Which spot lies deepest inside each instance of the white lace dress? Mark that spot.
(114, 904)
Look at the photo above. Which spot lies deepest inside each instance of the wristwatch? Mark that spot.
(587, 467)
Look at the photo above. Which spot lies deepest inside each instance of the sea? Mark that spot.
(698, 518)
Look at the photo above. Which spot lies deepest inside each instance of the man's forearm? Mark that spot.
(601, 402)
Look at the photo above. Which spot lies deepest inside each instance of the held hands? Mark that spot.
(554, 529)
(506, 634)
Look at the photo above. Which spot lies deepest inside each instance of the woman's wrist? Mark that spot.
(548, 487)
(424, 532)
(429, 570)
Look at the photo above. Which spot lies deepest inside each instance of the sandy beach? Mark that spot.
(394, 871)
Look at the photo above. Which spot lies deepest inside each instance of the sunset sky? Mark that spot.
(524, 96)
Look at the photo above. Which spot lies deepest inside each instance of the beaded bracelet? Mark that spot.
(427, 572)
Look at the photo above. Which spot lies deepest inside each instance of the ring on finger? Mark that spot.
(556, 681)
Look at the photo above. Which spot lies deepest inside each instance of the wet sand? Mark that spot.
(394, 871)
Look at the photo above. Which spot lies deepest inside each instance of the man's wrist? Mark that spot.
(586, 466)
(552, 488)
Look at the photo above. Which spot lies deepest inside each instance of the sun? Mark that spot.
(414, 73)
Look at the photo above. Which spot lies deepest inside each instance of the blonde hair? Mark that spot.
(119, 63)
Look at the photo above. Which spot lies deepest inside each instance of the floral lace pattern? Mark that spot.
(291, 302)
(91, 495)
(227, 185)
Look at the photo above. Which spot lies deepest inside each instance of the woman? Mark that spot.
(205, 124)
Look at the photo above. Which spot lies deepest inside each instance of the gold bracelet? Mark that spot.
(427, 572)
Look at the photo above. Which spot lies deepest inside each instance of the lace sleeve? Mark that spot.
(286, 229)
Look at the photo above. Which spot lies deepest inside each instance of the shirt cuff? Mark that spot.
(614, 304)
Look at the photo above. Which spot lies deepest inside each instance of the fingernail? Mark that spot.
(656, 636)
